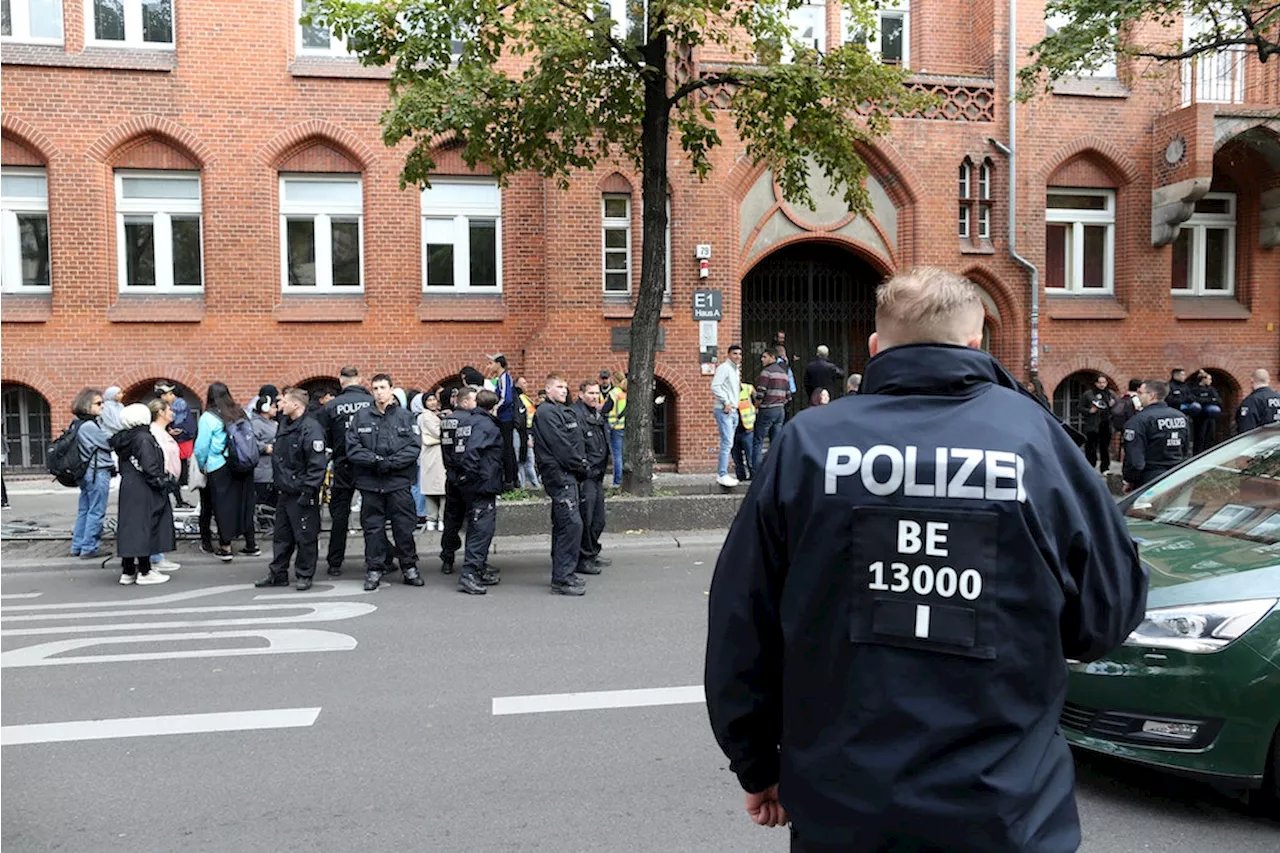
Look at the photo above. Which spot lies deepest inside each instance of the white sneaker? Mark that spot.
(432, 524)
(152, 577)
(166, 565)
(126, 578)
(728, 481)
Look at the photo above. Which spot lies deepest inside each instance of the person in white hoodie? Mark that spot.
(111, 410)
(726, 386)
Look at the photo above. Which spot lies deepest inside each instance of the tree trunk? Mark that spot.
(637, 476)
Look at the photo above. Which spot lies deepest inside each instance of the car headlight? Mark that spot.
(1199, 628)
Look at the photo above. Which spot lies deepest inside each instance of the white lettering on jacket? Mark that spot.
(991, 475)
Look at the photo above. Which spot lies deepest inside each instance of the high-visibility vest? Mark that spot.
(529, 409)
(747, 406)
(617, 416)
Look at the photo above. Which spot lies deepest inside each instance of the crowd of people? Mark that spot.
(419, 461)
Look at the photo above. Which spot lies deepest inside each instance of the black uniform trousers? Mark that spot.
(482, 519)
(591, 506)
(510, 465)
(454, 515)
(376, 508)
(341, 492)
(566, 530)
(296, 527)
(1097, 447)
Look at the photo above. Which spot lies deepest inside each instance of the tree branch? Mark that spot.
(618, 47)
(1263, 46)
(703, 83)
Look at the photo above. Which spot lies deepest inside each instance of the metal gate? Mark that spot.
(27, 426)
(818, 295)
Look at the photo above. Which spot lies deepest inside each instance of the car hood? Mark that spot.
(1188, 566)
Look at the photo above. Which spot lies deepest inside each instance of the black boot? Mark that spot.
(446, 567)
(489, 576)
(470, 584)
(411, 576)
(371, 580)
(587, 567)
(272, 580)
(304, 584)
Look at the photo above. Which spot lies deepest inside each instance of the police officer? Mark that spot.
(480, 474)
(1262, 406)
(595, 436)
(298, 464)
(455, 507)
(561, 455)
(1156, 438)
(937, 531)
(334, 419)
(383, 443)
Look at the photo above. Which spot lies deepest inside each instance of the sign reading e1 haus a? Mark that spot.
(708, 305)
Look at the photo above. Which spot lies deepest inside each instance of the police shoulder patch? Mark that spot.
(318, 446)
(1128, 435)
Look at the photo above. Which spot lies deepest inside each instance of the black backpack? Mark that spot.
(65, 458)
(242, 447)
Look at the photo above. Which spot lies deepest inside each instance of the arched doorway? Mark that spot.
(1066, 397)
(27, 426)
(144, 391)
(819, 294)
(665, 445)
(1229, 391)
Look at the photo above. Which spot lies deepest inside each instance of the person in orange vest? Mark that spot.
(744, 435)
(524, 423)
(615, 413)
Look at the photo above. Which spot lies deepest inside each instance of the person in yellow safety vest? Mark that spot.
(744, 435)
(524, 458)
(615, 412)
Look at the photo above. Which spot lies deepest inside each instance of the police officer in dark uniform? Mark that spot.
(480, 475)
(901, 586)
(561, 455)
(1156, 438)
(1262, 406)
(455, 507)
(297, 462)
(334, 419)
(595, 436)
(383, 444)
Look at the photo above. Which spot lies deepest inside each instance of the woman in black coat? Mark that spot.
(145, 524)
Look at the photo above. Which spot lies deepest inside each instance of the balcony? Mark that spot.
(1229, 76)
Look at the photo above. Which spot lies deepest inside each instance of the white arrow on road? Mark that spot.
(545, 703)
(178, 724)
(321, 611)
(279, 642)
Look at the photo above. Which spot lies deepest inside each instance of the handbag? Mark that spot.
(186, 448)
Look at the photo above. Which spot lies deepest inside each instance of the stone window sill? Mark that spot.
(1063, 307)
(115, 58)
(337, 66)
(132, 308)
(462, 308)
(981, 246)
(26, 307)
(622, 308)
(1208, 308)
(339, 308)
(1091, 87)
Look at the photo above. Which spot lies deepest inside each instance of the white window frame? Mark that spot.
(875, 39)
(132, 28)
(1078, 219)
(1218, 75)
(966, 180)
(1106, 70)
(820, 40)
(10, 207)
(20, 22)
(984, 181)
(984, 221)
(461, 216)
(337, 46)
(1198, 224)
(161, 211)
(618, 223)
(965, 219)
(322, 214)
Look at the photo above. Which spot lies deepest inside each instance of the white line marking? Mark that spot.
(550, 702)
(12, 595)
(320, 611)
(133, 602)
(279, 642)
(177, 724)
(922, 621)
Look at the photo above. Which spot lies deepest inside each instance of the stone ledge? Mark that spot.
(115, 58)
(26, 307)
(157, 309)
(1091, 87)
(321, 309)
(624, 310)
(462, 308)
(1208, 308)
(1084, 308)
(337, 66)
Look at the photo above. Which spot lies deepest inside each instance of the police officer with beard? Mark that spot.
(297, 464)
(595, 436)
(455, 506)
(561, 456)
(334, 419)
(935, 533)
(480, 474)
(1156, 438)
(383, 443)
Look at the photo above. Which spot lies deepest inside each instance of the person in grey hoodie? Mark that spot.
(111, 409)
(95, 486)
(263, 422)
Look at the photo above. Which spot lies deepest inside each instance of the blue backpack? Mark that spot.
(242, 447)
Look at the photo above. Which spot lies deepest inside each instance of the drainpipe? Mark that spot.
(1010, 151)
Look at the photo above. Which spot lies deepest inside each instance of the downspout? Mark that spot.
(1010, 151)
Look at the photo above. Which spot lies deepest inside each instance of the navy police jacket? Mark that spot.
(297, 457)
(1155, 440)
(449, 425)
(383, 448)
(1262, 406)
(478, 454)
(891, 611)
(595, 438)
(559, 447)
(336, 416)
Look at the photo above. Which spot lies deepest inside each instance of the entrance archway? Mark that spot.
(27, 427)
(819, 294)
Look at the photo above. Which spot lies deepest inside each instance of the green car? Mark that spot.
(1196, 688)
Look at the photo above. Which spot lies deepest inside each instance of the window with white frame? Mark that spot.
(1215, 76)
(462, 235)
(315, 38)
(616, 209)
(321, 233)
(891, 37)
(627, 15)
(966, 179)
(24, 226)
(809, 25)
(1080, 239)
(129, 23)
(965, 213)
(37, 21)
(158, 242)
(1204, 256)
(1057, 20)
(984, 200)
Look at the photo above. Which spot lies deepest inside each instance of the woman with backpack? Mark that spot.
(145, 516)
(228, 492)
(95, 485)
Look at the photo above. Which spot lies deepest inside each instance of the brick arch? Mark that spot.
(294, 139)
(1054, 375)
(1266, 125)
(1105, 153)
(884, 266)
(118, 139)
(1009, 325)
(898, 177)
(615, 182)
(29, 137)
(153, 370)
(43, 384)
(677, 383)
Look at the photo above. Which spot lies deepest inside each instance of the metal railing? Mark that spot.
(1215, 78)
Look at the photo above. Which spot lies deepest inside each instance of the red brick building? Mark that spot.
(198, 190)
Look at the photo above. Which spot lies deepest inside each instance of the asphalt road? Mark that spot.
(405, 752)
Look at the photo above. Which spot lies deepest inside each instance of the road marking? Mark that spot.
(170, 598)
(320, 611)
(177, 724)
(12, 595)
(551, 702)
(281, 641)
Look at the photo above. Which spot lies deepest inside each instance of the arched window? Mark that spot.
(26, 426)
(664, 423)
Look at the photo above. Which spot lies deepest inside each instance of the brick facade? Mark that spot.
(236, 103)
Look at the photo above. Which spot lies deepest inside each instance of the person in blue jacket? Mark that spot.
(891, 611)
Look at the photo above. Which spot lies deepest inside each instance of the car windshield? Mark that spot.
(1232, 490)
